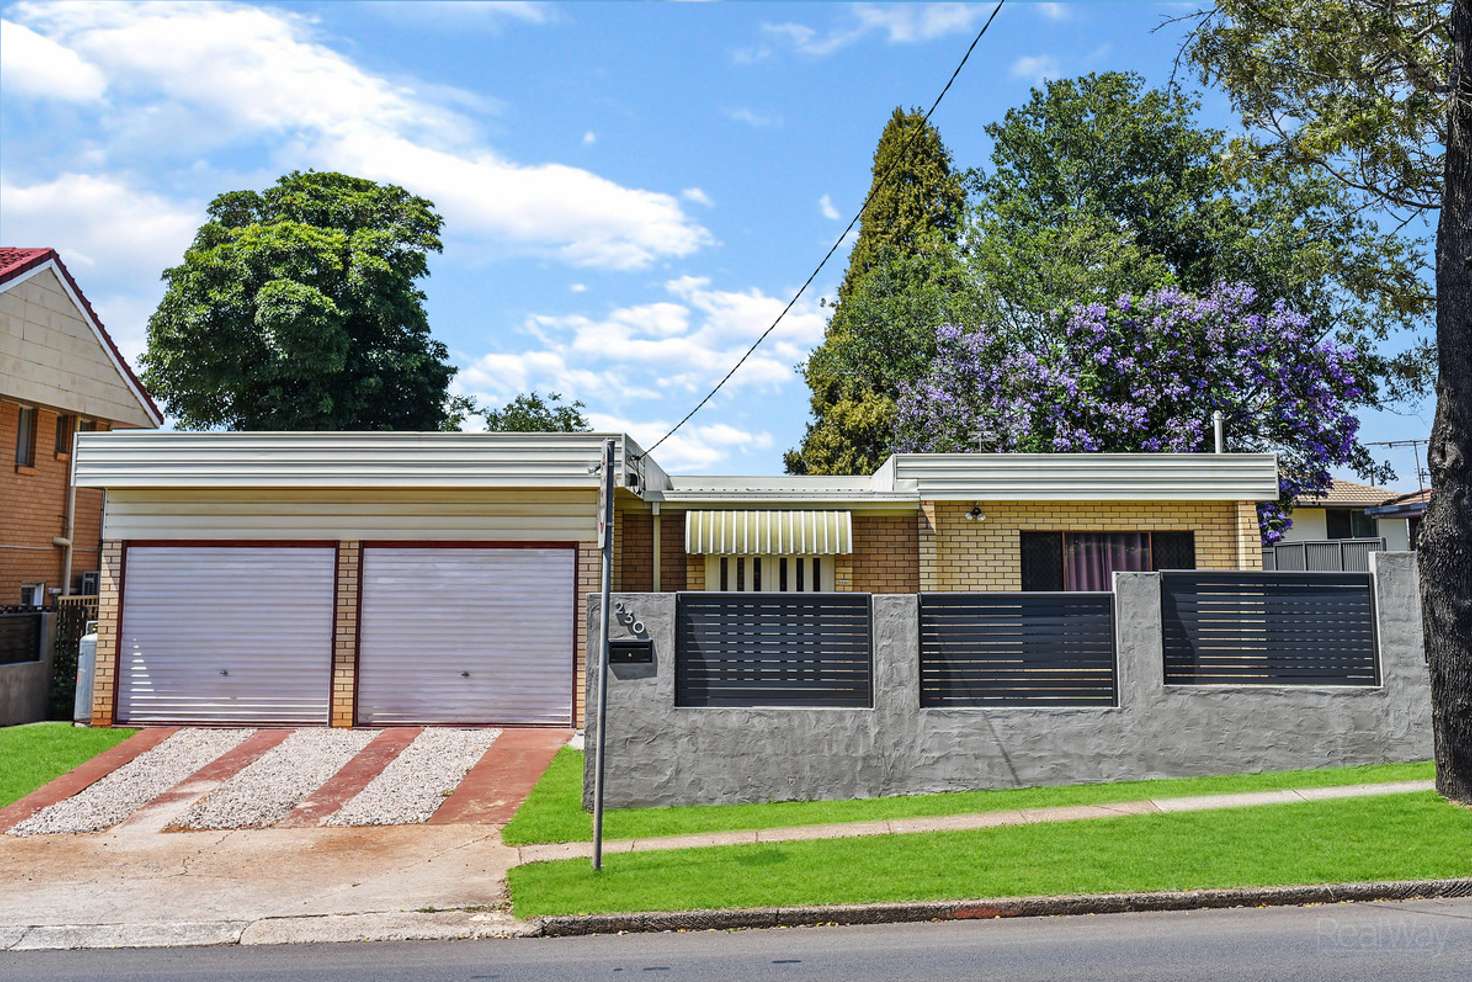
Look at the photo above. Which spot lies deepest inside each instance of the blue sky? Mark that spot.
(630, 191)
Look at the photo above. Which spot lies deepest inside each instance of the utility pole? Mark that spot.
(605, 543)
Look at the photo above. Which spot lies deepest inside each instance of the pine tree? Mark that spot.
(903, 263)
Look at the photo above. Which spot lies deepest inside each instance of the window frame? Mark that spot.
(66, 428)
(25, 438)
(1063, 536)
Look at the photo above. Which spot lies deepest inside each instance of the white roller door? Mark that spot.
(216, 634)
(466, 635)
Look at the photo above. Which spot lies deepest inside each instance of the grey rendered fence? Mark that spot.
(773, 649)
(1017, 649)
(1270, 628)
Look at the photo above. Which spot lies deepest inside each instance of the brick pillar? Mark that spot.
(109, 609)
(928, 548)
(590, 582)
(1249, 537)
(345, 637)
(694, 572)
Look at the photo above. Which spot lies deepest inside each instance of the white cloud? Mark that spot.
(825, 207)
(1035, 68)
(698, 196)
(752, 118)
(37, 66)
(1053, 11)
(696, 447)
(485, 15)
(661, 355)
(897, 23)
(578, 287)
(589, 138)
(251, 75)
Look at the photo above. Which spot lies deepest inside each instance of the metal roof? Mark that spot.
(143, 459)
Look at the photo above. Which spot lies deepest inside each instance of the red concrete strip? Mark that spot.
(343, 786)
(500, 781)
(219, 770)
(84, 775)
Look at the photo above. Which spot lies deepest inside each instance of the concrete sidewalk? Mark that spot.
(978, 820)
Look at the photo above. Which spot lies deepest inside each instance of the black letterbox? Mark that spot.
(631, 651)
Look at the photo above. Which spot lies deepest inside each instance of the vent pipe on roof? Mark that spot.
(1218, 431)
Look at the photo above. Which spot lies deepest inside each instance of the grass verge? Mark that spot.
(553, 812)
(33, 754)
(1409, 836)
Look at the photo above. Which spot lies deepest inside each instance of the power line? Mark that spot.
(878, 184)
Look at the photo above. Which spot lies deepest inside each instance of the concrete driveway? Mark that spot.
(146, 879)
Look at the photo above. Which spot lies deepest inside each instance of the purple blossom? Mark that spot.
(1145, 374)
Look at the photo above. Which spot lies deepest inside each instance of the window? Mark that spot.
(89, 426)
(772, 574)
(1349, 523)
(25, 438)
(1053, 561)
(65, 426)
(33, 595)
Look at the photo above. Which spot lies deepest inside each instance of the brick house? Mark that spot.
(60, 374)
(425, 578)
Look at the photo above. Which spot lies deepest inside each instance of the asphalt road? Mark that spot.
(1425, 941)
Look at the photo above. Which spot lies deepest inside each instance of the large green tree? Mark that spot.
(1378, 94)
(1099, 187)
(892, 297)
(531, 412)
(297, 308)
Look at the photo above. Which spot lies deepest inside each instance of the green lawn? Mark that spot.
(33, 754)
(1395, 837)
(553, 812)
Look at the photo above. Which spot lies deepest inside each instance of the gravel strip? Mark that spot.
(130, 787)
(417, 781)
(273, 785)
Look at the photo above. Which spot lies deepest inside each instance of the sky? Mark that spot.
(631, 192)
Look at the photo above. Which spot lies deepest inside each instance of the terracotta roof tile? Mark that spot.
(1346, 493)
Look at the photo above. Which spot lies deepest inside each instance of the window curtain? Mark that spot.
(1092, 558)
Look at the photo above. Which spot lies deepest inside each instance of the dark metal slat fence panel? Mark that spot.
(774, 649)
(1017, 649)
(1270, 628)
(20, 635)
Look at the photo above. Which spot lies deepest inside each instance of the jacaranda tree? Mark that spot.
(1145, 374)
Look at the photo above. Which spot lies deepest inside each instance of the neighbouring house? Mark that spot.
(1340, 513)
(1410, 508)
(385, 578)
(60, 374)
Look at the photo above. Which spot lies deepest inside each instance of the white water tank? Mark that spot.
(86, 671)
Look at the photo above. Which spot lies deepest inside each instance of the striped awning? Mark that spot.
(769, 533)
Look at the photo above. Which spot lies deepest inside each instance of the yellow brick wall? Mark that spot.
(109, 600)
(345, 635)
(886, 556)
(957, 554)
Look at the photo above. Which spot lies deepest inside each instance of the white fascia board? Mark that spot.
(153, 459)
(1089, 477)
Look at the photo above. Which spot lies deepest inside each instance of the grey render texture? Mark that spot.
(659, 754)
(25, 686)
